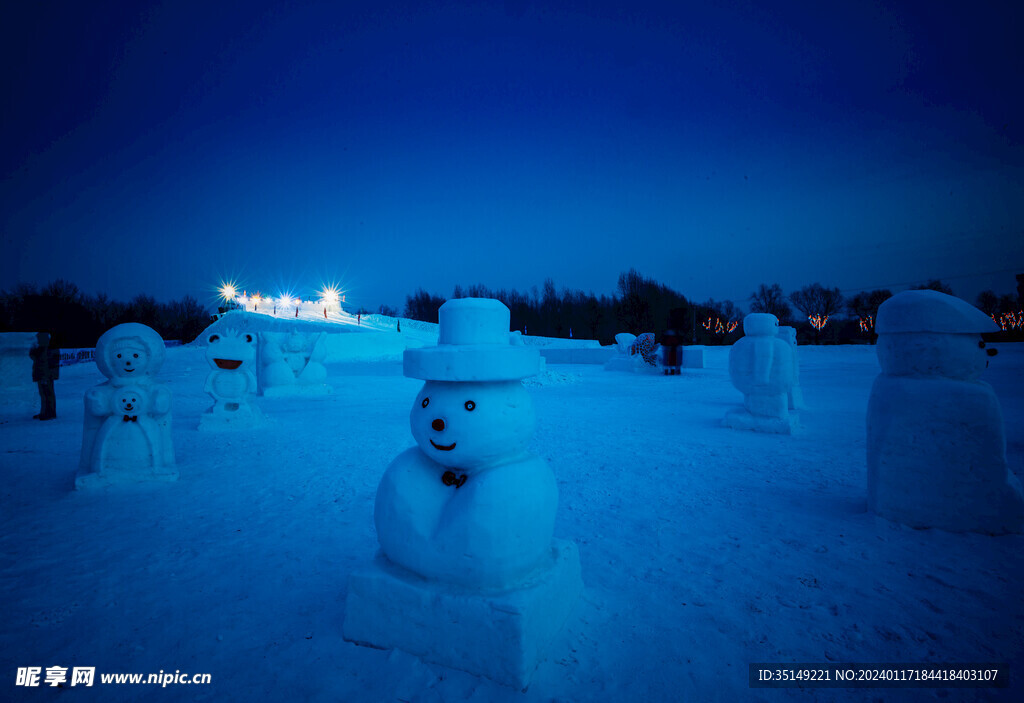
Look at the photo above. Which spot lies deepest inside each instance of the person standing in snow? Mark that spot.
(45, 369)
(670, 344)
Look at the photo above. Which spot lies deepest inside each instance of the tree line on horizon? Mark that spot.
(641, 304)
(74, 319)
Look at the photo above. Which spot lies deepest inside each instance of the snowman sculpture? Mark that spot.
(796, 394)
(761, 367)
(292, 363)
(468, 574)
(231, 382)
(126, 435)
(936, 447)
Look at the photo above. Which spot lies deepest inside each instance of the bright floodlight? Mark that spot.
(330, 296)
(285, 300)
(228, 291)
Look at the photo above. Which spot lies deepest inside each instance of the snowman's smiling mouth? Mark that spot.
(128, 370)
(228, 364)
(442, 447)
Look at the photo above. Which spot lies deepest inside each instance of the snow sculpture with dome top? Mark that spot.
(936, 446)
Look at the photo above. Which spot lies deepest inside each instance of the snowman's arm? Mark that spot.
(97, 401)
(319, 350)
(161, 401)
(208, 388)
(250, 382)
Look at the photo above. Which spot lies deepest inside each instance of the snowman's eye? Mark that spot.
(213, 338)
(136, 356)
(470, 405)
(118, 356)
(248, 338)
(426, 402)
(981, 345)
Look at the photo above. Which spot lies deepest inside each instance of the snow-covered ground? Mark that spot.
(703, 548)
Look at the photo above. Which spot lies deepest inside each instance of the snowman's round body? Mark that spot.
(469, 505)
(128, 442)
(761, 367)
(936, 448)
(795, 394)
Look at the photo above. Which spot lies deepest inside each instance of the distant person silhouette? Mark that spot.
(671, 344)
(45, 369)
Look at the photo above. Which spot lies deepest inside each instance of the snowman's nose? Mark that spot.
(438, 424)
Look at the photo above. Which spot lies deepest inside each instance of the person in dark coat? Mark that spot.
(45, 370)
(671, 344)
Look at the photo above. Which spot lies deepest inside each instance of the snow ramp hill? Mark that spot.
(368, 341)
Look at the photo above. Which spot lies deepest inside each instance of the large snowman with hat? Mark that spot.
(936, 447)
(468, 574)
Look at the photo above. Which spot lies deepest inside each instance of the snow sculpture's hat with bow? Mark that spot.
(931, 311)
(473, 345)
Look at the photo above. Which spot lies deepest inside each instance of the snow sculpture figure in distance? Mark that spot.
(761, 367)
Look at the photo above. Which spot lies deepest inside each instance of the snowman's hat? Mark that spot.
(931, 311)
(473, 345)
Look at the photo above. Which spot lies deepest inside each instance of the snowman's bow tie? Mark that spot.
(449, 479)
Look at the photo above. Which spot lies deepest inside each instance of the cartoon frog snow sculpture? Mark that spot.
(231, 383)
(936, 447)
(467, 515)
(129, 355)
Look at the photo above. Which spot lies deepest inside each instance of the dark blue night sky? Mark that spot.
(159, 147)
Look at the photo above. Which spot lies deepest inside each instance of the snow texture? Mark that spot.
(16, 386)
(292, 363)
(501, 635)
(936, 448)
(126, 434)
(231, 382)
(693, 356)
(702, 549)
(761, 368)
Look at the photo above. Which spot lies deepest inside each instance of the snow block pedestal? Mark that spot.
(499, 634)
(693, 357)
(244, 417)
(743, 419)
(16, 385)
